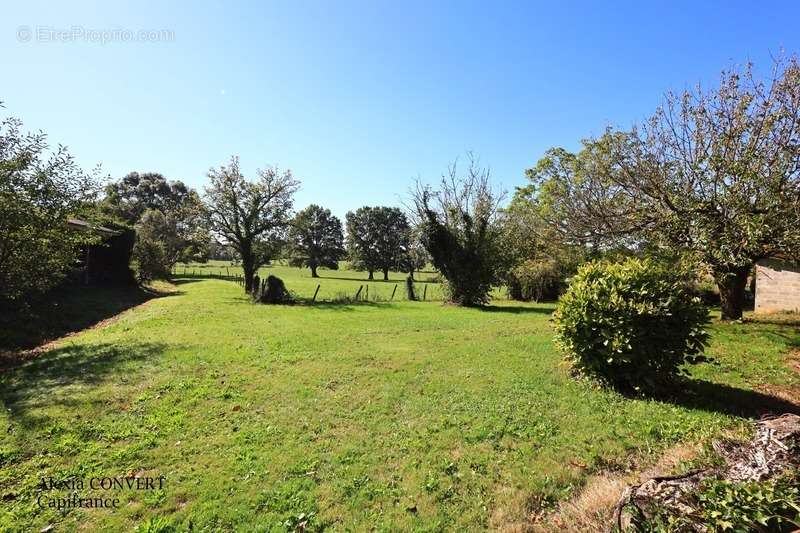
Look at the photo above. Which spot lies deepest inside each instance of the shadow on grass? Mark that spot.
(725, 399)
(517, 309)
(183, 280)
(65, 310)
(376, 280)
(52, 379)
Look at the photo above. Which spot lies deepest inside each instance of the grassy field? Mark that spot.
(380, 415)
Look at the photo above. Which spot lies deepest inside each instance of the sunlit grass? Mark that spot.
(392, 415)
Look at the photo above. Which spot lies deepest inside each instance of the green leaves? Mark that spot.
(632, 324)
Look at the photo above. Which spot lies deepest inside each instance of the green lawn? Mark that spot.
(390, 416)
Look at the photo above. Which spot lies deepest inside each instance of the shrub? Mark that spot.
(151, 259)
(537, 280)
(632, 324)
(459, 229)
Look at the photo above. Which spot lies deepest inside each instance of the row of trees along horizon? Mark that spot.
(710, 184)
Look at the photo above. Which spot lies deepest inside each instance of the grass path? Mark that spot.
(393, 416)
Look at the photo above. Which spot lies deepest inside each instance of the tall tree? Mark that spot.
(460, 231)
(315, 239)
(378, 238)
(718, 173)
(133, 196)
(714, 174)
(39, 190)
(252, 217)
(361, 239)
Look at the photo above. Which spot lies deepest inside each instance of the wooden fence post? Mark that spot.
(358, 292)
(394, 291)
(314, 299)
(424, 292)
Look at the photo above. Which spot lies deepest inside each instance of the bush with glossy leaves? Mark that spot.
(632, 324)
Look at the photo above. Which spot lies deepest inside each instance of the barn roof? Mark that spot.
(85, 226)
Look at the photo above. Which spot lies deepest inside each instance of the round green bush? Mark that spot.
(632, 324)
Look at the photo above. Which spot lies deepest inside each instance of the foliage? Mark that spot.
(157, 246)
(736, 506)
(315, 239)
(631, 324)
(460, 232)
(151, 259)
(539, 261)
(39, 190)
(252, 217)
(377, 239)
(713, 173)
(537, 280)
(769, 505)
(135, 195)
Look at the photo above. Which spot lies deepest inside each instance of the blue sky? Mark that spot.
(360, 98)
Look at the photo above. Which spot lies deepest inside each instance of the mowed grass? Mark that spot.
(387, 416)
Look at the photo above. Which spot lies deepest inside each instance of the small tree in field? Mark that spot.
(459, 231)
(377, 238)
(315, 239)
(361, 236)
(250, 216)
(158, 245)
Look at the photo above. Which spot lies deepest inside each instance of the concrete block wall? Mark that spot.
(777, 286)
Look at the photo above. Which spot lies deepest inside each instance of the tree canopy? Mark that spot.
(378, 239)
(315, 239)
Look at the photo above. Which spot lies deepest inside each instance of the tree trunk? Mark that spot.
(249, 271)
(313, 271)
(370, 275)
(731, 292)
(385, 274)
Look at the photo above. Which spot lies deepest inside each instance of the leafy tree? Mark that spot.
(539, 258)
(252, 217)
(720, 175)
(361, 238)
(315, 239)
(136, 193)
(39, 190)
(460, 231)
(713, 175)
(378, 238)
